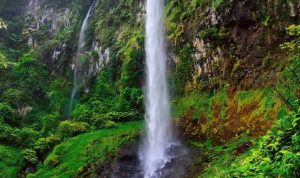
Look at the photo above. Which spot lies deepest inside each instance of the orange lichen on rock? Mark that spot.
(240, 117)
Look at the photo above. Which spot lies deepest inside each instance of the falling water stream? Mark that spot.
(160, 155)
(159, 136)
(77, 62)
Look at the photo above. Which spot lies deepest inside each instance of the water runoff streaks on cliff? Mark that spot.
(77, 65)
(158, 137)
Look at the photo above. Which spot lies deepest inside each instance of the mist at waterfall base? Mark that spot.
(159, 154)
(77, 63)
(159, 137)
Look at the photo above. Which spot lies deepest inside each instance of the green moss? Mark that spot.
(197, 102)
(70, 157)
(131, 46)
(216, 4)
(68, 128)
(201, 104)
(221, 99)
(267, 102)
(212, 33)
(175, 13)
(244, 98)
(271, 156)
(183, 71)
(275, 154)
(179, 12)
(221, 156)
(84, 59)
(11, 161)
(113, 17)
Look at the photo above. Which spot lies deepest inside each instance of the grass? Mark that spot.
(201, 103)
(221, 156)
(266, 100)
(215, 4)
(11, 161)
(269, 156)
(75, 155)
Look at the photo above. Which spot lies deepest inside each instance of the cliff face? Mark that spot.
(59, 23)
(235, 41)
(230, 40)
(225, 47)
(234, 51)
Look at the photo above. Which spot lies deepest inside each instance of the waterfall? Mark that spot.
(77, 63)
(153, 151)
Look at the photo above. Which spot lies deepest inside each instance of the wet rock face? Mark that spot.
(45, 23)
(50, 20)
(128, 166)
(206, 62)
(97, 57)
(100, 59)
(41, 15)
(246, 36)
(243, 14)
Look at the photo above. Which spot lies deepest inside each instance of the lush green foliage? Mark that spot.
(35, 89)
(212, 33)
(180, 11)
(201, 104)
(71, 157)
(2, 24)
(116, 94)
(213, 3)
(30, 156)
(11, 161)
(183, 72)
(69, 128)
(277, 154)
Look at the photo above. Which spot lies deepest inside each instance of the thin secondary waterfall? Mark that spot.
(153, 151)
(77, 63)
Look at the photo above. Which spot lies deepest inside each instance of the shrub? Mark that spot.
(116, 116)
(3, 61)
(52, 160)
(45, 144)
(110, 124)
(55, 157)
(95, 54)
(81, 112)
(27, 136)
(8, 113)
(30, 156)
(211, 33)
(12, 96)
(184, 70)
(69, 128)
(6, 133)
(11, 161)
(100, 122)
(50, 121)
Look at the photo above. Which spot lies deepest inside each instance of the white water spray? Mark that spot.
(153, 152)
(77, 63)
